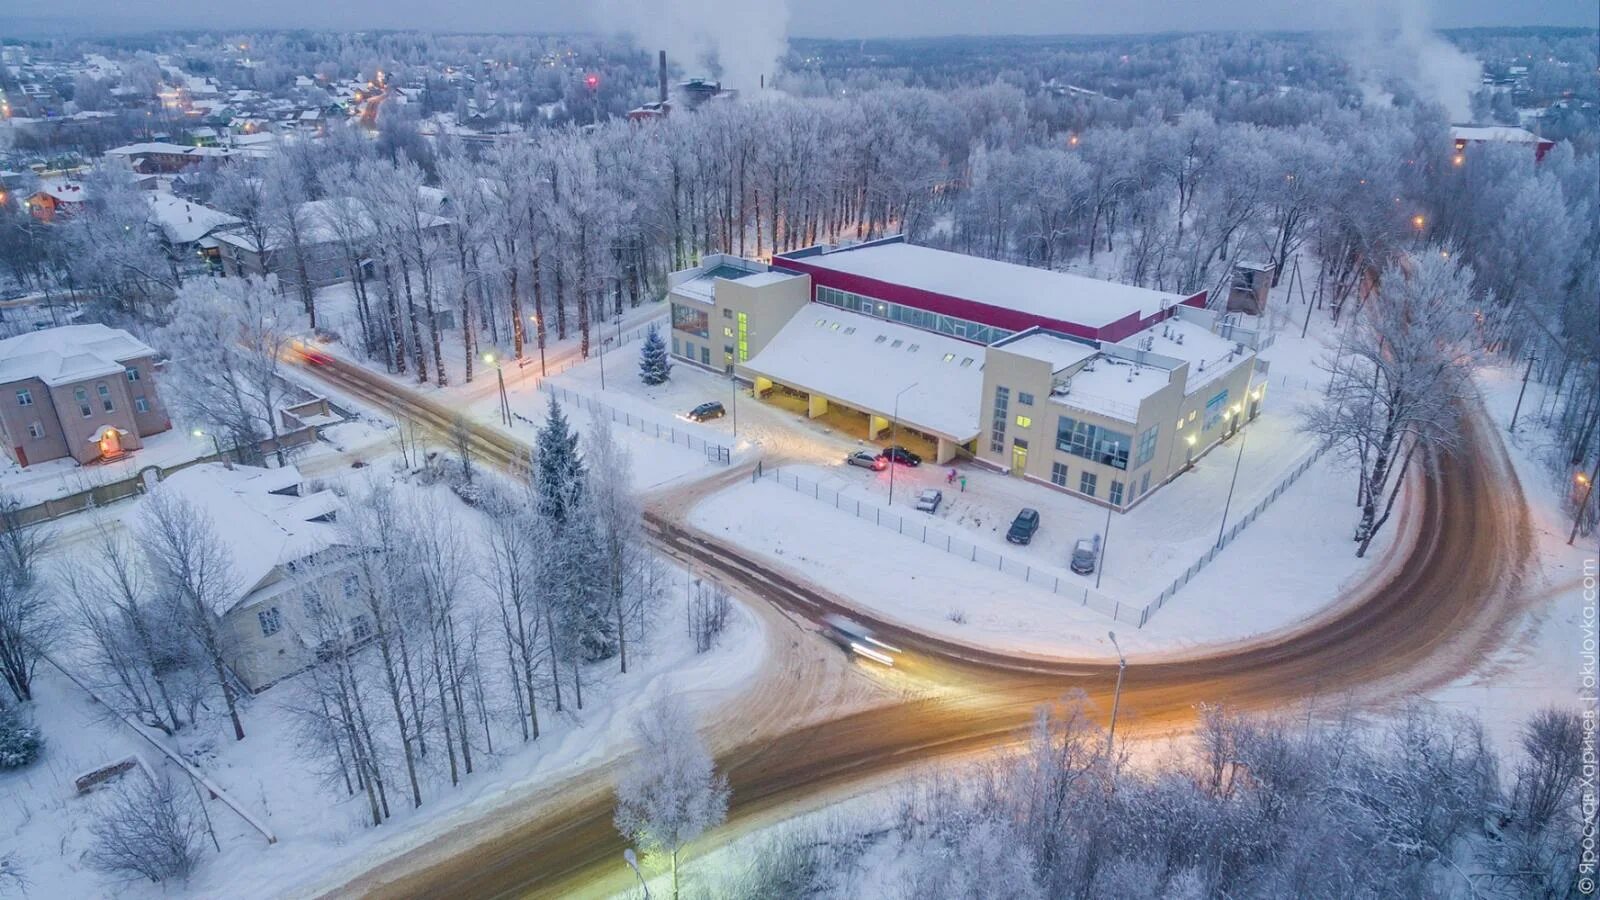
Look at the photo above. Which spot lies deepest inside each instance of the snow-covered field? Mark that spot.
(320, 830)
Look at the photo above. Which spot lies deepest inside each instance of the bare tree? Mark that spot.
(27, 624)
(194, 575)
(149, 828)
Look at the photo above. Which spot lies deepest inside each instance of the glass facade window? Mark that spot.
(1147, 447)
(1215, 407)
(1116, 492)
(1087, 481)
(909, 315)
(997, 438)
(1092, 442)
(744, 337)
(691, 320)
(1058, 474)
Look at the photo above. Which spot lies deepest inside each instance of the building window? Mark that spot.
(675, 347)
(727, 331)
(1144, 484)
(313, 607)
(270, 622)
(691, 320)
(744, 337)
(35, 430)
(1024, 422)
(997, 437)
(1025, 398)
(141, 404)
(1058, 474)
(705, 356)
(360, 627)
(350, 587)
(1087, 482)
(688, 350)
(1092, 442)
(82, 396)
(727, 313)
(105, 396)
(1116, 492)
(24, 398)
(1147, 447)
(133, 374)
(1215, 407)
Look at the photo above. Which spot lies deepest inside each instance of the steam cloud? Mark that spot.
(738, 41)
(1399, 44)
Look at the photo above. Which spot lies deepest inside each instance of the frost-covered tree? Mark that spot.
(1398, 380)
(670, 794)
(655, 367)
(147, 828)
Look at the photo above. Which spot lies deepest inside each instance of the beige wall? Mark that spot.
(1161, 410)
(259, 659)
(767, 308)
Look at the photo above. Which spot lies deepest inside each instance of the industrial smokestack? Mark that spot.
(663, 97)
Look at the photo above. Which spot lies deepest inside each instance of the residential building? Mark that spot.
(82, 391)
(288, 562)
(55, 198)
(1466, 136)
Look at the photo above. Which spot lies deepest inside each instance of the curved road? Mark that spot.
(1445, 605)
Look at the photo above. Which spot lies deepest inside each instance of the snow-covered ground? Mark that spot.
(321, 832)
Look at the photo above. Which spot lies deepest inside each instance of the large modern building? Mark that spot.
(1103, 389)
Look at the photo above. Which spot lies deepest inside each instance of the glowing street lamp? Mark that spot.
(1419, 222)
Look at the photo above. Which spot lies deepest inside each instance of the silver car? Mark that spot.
(929, 500)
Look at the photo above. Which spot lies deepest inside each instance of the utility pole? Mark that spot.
(1100, 564)
(894, 436)
(1229, 503)
(1526, 373)
(1116, 698)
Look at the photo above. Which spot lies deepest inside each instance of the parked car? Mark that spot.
(1085, 553)
(866, 460)
(1023, 526)
(901, 455)
(929, 500)
(711, 410)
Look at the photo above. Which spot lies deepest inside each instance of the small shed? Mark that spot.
(1251, 283)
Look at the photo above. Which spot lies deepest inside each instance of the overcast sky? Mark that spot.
(814, 18)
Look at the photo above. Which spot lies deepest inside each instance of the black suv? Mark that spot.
(901, 455)
(711, 410)
(1023, 527)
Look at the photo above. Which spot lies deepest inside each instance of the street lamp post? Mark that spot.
(1584, 503)
(1100, 564)
(632, 859)
(1116, 697)
(500, 375)
(1229, 502)
(217, 445)
(894, 437)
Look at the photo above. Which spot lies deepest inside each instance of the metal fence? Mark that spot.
(1239, 526)
(917, 528)
(717, 453)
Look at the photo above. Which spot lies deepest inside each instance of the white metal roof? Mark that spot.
(1041, 292)
(68, 353)
(864, 362)
(1059, 352)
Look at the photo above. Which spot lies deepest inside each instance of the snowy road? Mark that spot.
(1430, 615)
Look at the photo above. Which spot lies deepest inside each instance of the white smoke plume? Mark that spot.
(1396, 42)
(738, 41)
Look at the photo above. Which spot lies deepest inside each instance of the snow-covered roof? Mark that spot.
(864, 362)
(1056, 295)
(1209, 357)
(259, 523)
(321, 223)
(1507, 133)
(1111, 387)
(1059, 352)
(64, 191)
(68, 353)
(702, 287)
(150, 148)
(184, 222)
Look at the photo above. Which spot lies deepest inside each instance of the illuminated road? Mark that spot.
(1439, 611)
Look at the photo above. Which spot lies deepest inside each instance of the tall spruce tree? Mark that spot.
(558, 474)
(654, 366)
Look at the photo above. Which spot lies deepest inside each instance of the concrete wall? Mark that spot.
(767, 308)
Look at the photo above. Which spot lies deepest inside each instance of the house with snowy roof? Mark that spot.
(289, 592)
(82, 391)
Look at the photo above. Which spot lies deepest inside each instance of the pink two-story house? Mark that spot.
(84, 391)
